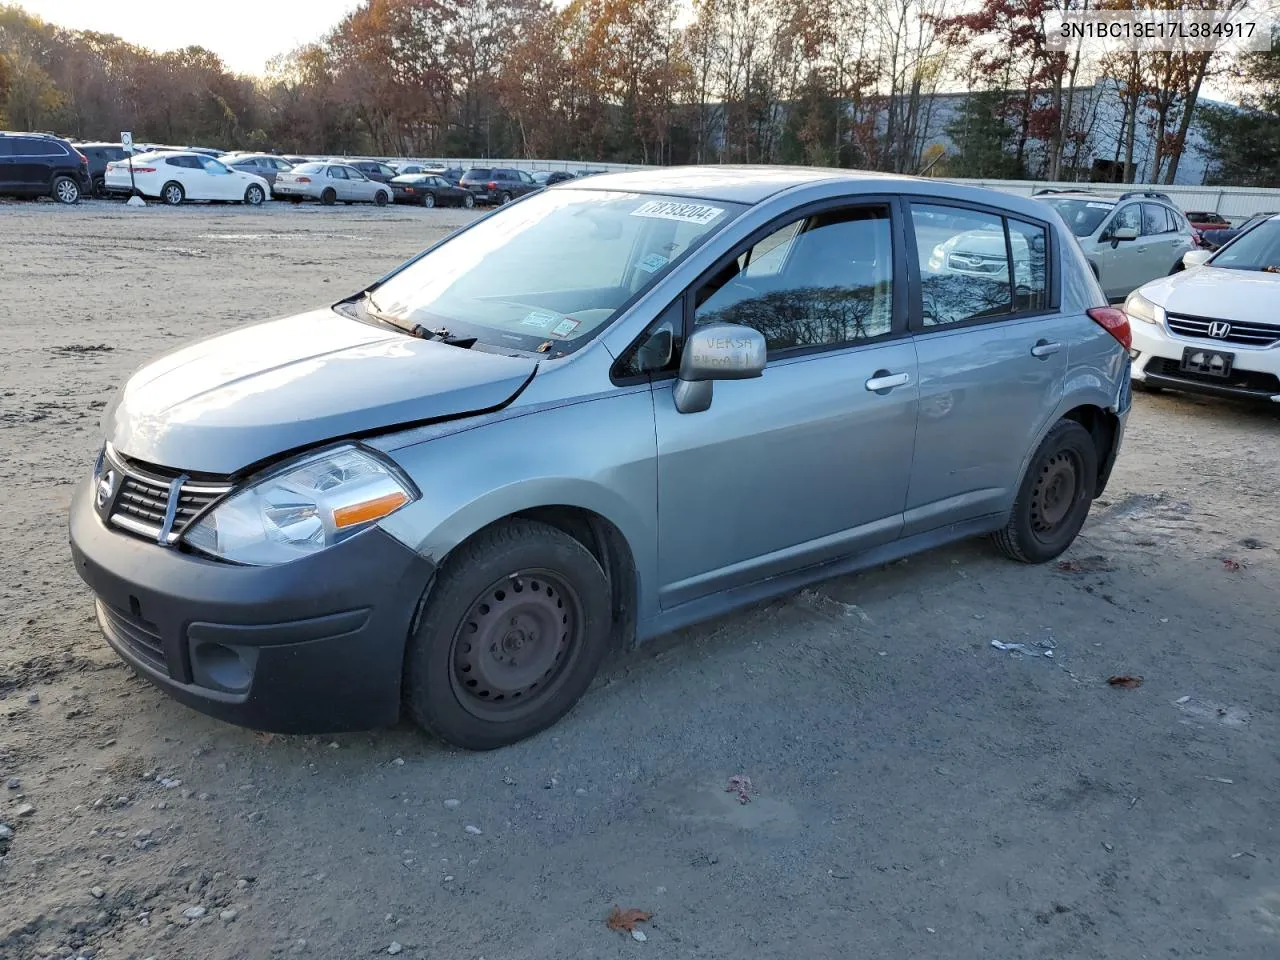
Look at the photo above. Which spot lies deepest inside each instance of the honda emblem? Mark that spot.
(1219, 329)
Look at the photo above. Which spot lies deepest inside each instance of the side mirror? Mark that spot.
(1124, 233)
(1195, 258)
(718, 351)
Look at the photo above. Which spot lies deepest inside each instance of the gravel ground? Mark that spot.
(913, 790)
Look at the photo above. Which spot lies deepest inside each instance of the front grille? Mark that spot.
(1244, 334)
(141, 637)
(1262, 383)
(142, 503)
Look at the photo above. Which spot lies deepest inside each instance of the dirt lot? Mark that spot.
(915, 792)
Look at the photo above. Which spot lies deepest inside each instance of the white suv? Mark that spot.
(1129, 239)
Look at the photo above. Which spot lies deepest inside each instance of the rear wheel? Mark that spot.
(381, 198)
(254, 195)
(513, 631)
(429, 200)
(504, 197)
(66, 190)
(172, 193)
(328, 196)
(1054, 496)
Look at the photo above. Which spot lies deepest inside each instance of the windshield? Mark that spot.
(1258, 249)
(1082, 216)
(554, 268)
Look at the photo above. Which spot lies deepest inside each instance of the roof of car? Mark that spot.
(734, 184)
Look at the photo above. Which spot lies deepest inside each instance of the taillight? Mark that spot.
(1115, 322)
(144, 169)
(493, 185)
(303, 179)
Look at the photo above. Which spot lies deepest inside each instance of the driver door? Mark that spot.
(811, 461)
(1120, 266)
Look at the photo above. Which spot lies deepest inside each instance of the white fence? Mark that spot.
(1234, 203)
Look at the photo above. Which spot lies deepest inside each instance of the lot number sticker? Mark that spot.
(654, 261)
(698, 213)
(540, 319)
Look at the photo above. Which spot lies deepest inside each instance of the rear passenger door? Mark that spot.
(992, 352)
(810, 461)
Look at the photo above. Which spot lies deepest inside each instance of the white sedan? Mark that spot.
(175, 176)
(1214, 327)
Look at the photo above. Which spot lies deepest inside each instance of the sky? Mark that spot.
(244, 33)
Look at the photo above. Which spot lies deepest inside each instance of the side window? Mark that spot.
(833, 285)
(386, 171)
(1127, 216)
(1176, 221)
(1029, 244)
(1154, 221)
(964, 264)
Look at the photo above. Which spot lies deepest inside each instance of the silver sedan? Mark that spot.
(329, 183)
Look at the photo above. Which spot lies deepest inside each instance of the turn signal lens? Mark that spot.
(375, 509)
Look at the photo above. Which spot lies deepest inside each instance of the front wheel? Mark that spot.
(381, 198)
(66, 190)
(254, 195)
(514, 629)
(1054, 496)
(173, 194)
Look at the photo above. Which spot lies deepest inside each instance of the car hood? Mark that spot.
(1244, 296)
(235, 400)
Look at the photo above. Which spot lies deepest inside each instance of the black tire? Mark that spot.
(428, 199)
(295, 199)
(172, 193)
(328, 196)
(254, 195)
(504, 198)
(381, 198)
(1054, 496)
(100, 187)
(1147, 387)
(66, 190)
(469, 200)
(507, 587)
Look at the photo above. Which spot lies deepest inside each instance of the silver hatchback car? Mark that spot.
(603, 412)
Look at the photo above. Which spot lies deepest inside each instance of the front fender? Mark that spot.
(598, 455)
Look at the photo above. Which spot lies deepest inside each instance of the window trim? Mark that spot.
(915, 318)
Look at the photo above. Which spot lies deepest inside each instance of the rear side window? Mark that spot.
(1154, 220)
(824, 280)
(976, 265)
(37, 147)
(338, 173)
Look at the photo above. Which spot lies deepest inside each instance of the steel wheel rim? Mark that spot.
(67, 191)
(516, 644)
(1056, 491)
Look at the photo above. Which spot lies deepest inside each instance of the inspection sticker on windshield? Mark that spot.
(698, 213)
(654, 261)
(540, 319)
(565, 327)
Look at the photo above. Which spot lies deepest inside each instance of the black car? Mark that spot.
(498, 184)
(429, 190)
(558, 176)
(452, 174)
(1214, 239)
(374, 169)
(40, 165)
(99, 155)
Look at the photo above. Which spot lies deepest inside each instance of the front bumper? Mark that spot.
(312, 646)
(1157, 359)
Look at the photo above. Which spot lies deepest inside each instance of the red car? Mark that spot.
(1207, 220)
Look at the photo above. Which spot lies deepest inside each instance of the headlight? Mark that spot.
(307, 506)
(1139, 307)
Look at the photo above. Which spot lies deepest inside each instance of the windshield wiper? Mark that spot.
(440, 335)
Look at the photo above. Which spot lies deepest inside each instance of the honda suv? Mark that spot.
(606, 412)
(42, 165)
(498, 184)
(1127, 240)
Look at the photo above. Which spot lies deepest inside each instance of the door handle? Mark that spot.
(884, 380)
(1044, 348)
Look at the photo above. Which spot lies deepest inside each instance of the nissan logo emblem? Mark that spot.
(106, 487)
(1219, 329)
